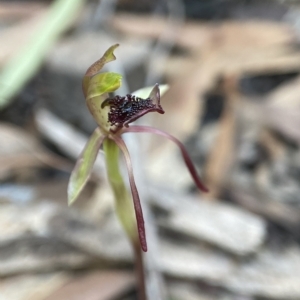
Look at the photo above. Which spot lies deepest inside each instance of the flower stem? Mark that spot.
(124, 208)
(140, 272)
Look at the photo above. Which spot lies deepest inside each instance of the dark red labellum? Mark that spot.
(124, 110)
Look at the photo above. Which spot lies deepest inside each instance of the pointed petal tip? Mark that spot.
(71, 201)
(144, 247)
(108, 56)
(155, 95)
(74, 192)
(203, 188)
(72, 196)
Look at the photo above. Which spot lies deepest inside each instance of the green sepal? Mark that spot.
(95, 68)
(103, 83)
(123, 200)
(84, 165)
(96, 87)
(100, 86)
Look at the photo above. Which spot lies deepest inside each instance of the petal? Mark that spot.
(155, 95)
(99, 87)
(135, 195)
(95, 68)
(84, 165)
(103, 83)
(184, 153)
(144, 92)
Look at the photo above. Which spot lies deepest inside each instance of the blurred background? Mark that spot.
(234, 100)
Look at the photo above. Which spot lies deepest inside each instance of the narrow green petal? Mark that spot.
(84, 165)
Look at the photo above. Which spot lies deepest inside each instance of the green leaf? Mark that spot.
(84, 165)
(144, 92)
(17, 71)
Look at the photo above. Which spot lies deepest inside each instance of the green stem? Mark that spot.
(124, 208)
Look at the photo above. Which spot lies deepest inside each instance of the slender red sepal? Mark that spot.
(184, 153)
(135, 195)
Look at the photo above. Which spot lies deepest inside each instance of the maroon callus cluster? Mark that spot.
(124, 110)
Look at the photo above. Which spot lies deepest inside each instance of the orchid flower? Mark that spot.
(113, 116)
